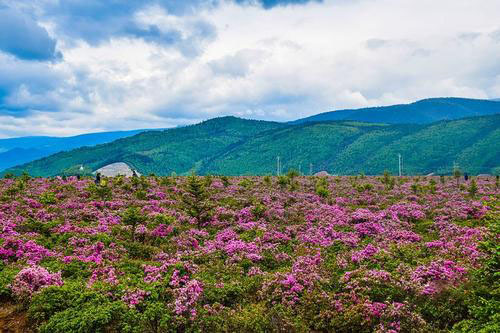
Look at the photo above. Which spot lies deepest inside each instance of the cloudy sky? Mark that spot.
(76, 66)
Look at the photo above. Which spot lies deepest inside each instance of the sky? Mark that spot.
(77, 66)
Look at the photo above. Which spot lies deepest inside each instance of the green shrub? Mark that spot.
(246, 183)
(54, 299)
(283, 181)
(132, 217)
(141, 195)
(229, 294)
(139, 251)
(251, 318)
(364, 187)
(225, 181)
(473, 188)
(100, 192)
(75, 269)
(74, 308)
(95, 317)
(48, 198)
(7, 275)
(32, 225)
(322, 192)
(155, 318)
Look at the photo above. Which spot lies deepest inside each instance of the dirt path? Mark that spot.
(12, 320)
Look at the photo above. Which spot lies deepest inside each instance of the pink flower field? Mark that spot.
(250, 254)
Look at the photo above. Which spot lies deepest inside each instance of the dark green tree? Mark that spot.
(133, 217)
(473, 188)
(196, 200)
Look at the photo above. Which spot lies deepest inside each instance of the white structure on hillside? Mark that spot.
(116, 169)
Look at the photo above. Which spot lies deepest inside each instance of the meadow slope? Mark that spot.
(246, 254)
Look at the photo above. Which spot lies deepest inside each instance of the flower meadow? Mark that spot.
(251, 254)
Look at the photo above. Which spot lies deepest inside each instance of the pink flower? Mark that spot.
(186, 298)
(31, 280)
(134, 298)
(368, 252)
(104, 274)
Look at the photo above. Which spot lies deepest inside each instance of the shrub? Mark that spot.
(100, 317)
(100, 192)
(48, 198)
(473, 188)
(31, 280)
(196, 200)
(133, 217)
(283, 181)
(322, 192)
(7, 275)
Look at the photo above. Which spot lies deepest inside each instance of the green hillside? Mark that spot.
(352, 148)
(233, 146)
(298, 146)
(474, 144)
(15, 151)
(163, 152)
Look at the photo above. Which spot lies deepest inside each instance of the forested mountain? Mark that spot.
(234, 146)
(17, 151)
(177, 149)
(421, 112)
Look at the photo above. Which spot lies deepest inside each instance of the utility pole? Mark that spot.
(399, 157)
(310, 169)
(300, 168)
(277, 165)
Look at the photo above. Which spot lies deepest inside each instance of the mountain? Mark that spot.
(352, 147)
(17, 151)
(422, 112)
(174, 150)
(234, 146)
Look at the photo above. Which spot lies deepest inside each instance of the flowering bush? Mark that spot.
(187, 296)
(210, 254)
(33, 279)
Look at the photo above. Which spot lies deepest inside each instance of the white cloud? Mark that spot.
(279, 64)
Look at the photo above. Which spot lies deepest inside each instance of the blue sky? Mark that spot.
(77, 66)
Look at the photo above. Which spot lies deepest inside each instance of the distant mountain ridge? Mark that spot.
(421, 112)
(230, 145)
(234, 146)
(15, 151)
